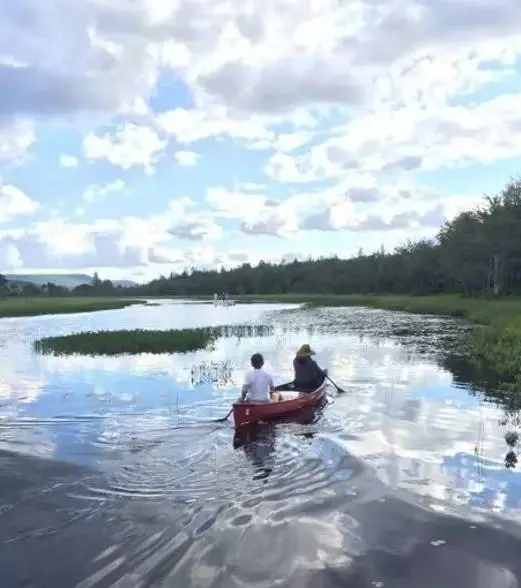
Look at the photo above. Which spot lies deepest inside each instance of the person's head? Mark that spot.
(305, 351)
(257, 361)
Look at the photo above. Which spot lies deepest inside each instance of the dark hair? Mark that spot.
(257, 361)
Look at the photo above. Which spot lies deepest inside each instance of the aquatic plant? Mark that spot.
(13, 307)
(212, 372)
(493, 345)
(136, 341)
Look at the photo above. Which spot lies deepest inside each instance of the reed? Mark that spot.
(494, 344)
(137, 341)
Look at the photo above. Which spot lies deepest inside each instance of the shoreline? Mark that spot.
(26, 307)
(493, 344)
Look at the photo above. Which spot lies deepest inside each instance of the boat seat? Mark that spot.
(289, 395)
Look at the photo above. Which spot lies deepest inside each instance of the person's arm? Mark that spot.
(295, 369)
(317, 369)
(245, 388)
(275, 395)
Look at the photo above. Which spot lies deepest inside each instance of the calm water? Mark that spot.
(399, 482)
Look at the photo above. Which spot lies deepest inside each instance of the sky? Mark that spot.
(143, 137)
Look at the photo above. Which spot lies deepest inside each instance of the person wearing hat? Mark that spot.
(308, 375)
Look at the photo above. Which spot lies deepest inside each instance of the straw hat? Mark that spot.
(305, 350)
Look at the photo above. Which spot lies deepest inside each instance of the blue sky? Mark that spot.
(195, 133)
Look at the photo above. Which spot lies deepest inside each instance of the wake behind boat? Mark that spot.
(290, 402)
(222, 300)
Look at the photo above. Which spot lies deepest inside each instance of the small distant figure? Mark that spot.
(308, 375)
(215, 297)
(258, 384)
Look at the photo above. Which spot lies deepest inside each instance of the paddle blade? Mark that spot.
(338, 389)
(224, 418)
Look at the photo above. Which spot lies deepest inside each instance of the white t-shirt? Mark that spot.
(259, 385)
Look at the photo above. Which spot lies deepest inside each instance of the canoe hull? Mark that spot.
(245, 414)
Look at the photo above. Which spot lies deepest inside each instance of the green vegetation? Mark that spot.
(484, 310)
(13, 307)
(133, 342)
(125, 342)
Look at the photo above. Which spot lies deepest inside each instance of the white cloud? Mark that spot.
(260, 215)
(358, 205)
(103, 56)
(186, 157)
(10, 258)
(342, 103)
(14, 202)
(289, 168)
(96, 191)
(292, 141)
(412, 138)
(68, 161)
(188, 126)
(233, 205)
(15, 140)
(131, 145)
(128, 242)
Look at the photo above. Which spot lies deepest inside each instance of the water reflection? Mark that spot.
(258, 440)
(328, 488)
(489, 386)
(218, 373)
(258, 443)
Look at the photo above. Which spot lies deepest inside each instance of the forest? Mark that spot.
(479, 251)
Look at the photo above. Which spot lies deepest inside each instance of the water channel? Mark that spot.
(113, 475)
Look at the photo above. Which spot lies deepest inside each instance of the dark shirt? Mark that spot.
(306, 370)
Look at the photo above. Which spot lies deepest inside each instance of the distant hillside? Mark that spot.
(65, 280)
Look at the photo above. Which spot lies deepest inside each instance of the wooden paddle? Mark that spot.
(223, 419)
(338, 389)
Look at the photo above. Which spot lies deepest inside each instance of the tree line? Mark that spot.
(97, 287)
(478, 251)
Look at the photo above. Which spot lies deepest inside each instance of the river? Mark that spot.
(112, 474)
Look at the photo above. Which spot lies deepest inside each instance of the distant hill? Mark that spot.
(66, 280)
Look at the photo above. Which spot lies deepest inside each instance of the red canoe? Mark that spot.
(245, 413)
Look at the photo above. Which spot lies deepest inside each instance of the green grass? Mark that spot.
(133, 342)
(13, 307)
(479, 310)
(494, 344)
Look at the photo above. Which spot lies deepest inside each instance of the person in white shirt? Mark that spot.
(258, 384)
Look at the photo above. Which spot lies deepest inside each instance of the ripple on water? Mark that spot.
(179, 463)
(194, 466)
